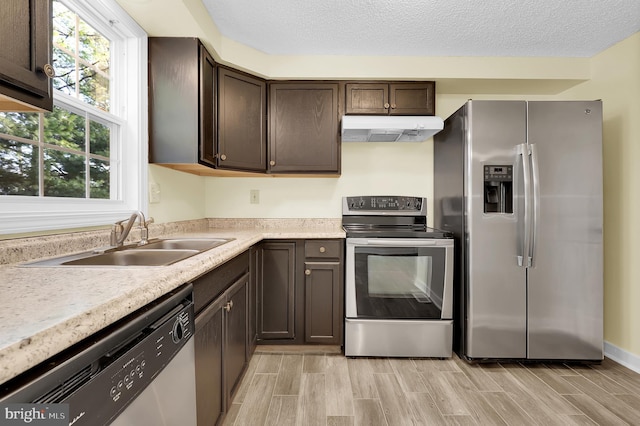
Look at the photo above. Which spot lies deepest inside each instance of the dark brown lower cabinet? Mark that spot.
(276, 268)
(299, 292)
(222, 337)
(323, 302)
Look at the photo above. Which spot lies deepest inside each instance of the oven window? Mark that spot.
(399, 282)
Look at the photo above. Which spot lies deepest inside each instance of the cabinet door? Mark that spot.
(208, 348)
(207, 108)
(276, 290)
(412, 98)
(235, 350)
(367, 98)
(323, 306)
(303, 135)
(25, 50)
(242, 143)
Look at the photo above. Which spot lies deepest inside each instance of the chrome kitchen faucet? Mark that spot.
(119, 232)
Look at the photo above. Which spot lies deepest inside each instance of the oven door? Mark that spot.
(407, 279)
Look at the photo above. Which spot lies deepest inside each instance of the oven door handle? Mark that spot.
(386, 242)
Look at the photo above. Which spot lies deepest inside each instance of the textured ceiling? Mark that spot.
(565, 28)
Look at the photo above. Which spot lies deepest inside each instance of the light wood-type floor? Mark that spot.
(296, 387)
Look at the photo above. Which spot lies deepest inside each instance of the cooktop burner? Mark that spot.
(372, 216)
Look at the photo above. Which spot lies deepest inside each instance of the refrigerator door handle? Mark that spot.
(536, 203)
(524, 230)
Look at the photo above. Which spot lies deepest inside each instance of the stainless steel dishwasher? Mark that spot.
(139, 371)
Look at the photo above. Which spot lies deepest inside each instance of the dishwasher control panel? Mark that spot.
(131, 368)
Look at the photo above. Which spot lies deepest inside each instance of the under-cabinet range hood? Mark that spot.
(389, 128)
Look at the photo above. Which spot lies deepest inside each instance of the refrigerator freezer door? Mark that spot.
(565, 283)
(495, 283)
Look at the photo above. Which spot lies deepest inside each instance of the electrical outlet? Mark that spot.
(254, 196)
(154, 193)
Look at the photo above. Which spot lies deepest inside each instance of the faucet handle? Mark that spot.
(144, 232)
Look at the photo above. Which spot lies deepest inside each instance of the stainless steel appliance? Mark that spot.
(140, 371)
(519, 184)
(399, 279)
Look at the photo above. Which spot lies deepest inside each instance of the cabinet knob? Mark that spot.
(307, 271)
(228, 306)
(223, 157)
(322, 249)
(272, 163)
(393, 106)
(48, 70)
(386, 104)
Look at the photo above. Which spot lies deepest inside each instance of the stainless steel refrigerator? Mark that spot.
(519, 183)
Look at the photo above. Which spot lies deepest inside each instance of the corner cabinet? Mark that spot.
(242, 135)
(300, 292)
(411, 98)
(182, 103)
(25, 55)
(303, 128)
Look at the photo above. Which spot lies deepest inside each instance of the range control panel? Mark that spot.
(381, 204)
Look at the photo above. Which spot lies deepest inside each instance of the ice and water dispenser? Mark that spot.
(498, 189)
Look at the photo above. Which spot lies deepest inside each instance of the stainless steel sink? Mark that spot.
(158, 252)
(134, 257)
(200, 244)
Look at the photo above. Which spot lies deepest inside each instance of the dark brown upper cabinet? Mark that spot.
(242, 143)
(182, 104)
(411, 98)
(25, 55)
(303, 128)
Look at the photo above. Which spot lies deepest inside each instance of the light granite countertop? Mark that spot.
(44, 310)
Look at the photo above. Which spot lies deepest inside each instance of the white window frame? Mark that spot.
(27, 214)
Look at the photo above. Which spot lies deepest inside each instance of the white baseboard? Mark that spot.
(622, 357)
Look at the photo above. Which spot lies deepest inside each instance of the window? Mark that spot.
(84, 163)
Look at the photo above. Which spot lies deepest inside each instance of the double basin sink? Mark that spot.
(158, 252)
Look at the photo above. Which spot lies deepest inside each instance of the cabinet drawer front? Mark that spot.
(322, 248)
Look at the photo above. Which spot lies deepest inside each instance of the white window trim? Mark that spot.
(23, 214)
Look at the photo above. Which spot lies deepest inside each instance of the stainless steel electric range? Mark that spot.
(399, 279)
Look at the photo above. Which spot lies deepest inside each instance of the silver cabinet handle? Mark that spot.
(272, 163)
(228, 305)
(223, 157)
(307, 271)
(322, 249)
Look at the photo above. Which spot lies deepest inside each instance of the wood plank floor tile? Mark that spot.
(288, 381)
(602, 380)
(339, 395)
(553, 378)
(549, 398)
(594, 410)
(579, 420)
(477, 374)
(459, 420)
(474, 401)
(232, 414)
(445, 396)
(314, 363)
(625, 377)
(394, 404)
(282, 411)
(424, 409)
(256, 403)
(508, 410)
(269, 363)
(609, 401)
(405, 371)
(244, 384)
(525, 398)
(312, 401)
(368, 412)
(340, 421)
(361, 378)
